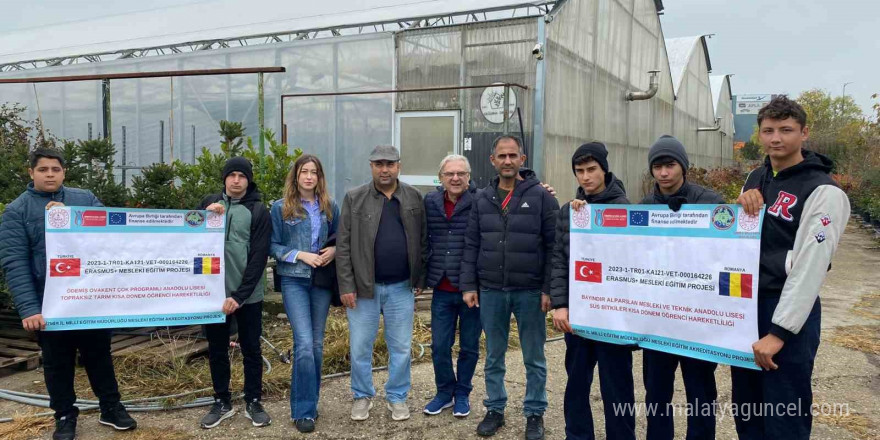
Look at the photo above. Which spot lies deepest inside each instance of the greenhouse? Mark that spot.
(430, 77)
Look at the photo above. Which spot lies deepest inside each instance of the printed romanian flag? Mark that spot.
(206, 265)
(735, 284)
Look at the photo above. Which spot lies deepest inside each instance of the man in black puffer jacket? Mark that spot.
(668, 163)
(447, 211)
(596, 185)
(508, 244)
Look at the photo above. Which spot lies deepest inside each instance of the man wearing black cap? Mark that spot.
(668, 163)
(248, 231)
(380, 262)
(596, 185)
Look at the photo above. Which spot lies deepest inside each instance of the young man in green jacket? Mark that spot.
(248, 232)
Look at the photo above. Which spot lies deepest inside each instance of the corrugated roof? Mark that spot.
(679, 50)
(221, 19)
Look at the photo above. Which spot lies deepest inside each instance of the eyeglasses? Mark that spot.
(460, 175)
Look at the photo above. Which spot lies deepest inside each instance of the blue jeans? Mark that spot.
(307, 308)
(396, 303)
(447, 310)
(496, 307)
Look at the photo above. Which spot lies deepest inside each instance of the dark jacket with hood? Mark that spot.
(248, 233)
(510, 252)
(614, 194)
(805, 216)
(23, 243)
(688, 193)
(446, 236)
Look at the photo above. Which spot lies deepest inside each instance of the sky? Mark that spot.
(770, 46)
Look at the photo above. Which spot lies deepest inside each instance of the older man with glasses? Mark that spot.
(447, 212)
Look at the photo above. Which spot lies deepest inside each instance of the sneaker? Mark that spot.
(462, 406)
(360, 409)
(220, 411)
(493, 421)
(399, 410)
(255, 412)
(304, 425)
(65, 429)
(437, 405)
(118, 418)
(535, 428)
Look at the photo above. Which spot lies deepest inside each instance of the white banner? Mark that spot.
(681, 282)
(117, 267)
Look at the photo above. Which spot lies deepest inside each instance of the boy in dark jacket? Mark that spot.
(447, 211)
(599, 186)
(668, 163)
(23, 250)
(508, 245)
(248, 233)
(804, 221)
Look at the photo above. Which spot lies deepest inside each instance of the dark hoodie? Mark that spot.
(688, 193)
(248, 233)
(805, 217)
(614, 194)
(510, 252)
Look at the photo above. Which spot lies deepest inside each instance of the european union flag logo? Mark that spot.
(117, 219)
(638, 218)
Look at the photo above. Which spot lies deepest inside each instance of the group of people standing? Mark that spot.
(488, 254)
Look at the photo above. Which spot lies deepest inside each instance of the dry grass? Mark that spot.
(868, 306)
(146, 374)
(864, 338)
(24, 427)
(857, 424)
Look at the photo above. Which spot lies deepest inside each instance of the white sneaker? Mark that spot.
(360, 409)
(399, 410)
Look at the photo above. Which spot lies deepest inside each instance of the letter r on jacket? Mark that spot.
(782, 207)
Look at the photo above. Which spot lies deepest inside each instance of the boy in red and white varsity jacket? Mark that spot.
(805, 218)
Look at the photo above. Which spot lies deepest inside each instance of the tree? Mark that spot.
(837, 126)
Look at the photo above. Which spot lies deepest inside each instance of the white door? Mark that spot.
(424, 139)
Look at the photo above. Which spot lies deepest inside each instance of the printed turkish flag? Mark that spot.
(64, 267)
(588, 271)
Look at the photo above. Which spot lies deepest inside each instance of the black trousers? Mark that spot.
(59, 360)
(777, 404)
(699, 384)
(249, 318)
(615, 384)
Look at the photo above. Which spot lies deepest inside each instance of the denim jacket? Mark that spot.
(293, 235)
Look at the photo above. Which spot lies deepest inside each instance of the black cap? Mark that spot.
(239, 164)
(595, 150)
(668, 146)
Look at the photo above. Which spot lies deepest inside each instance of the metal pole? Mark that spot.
(537, 153)
(161, 141)
(194, 143)
(171, 120)
(124, 145)
(844, 87)
(506, 121)
(261, 114)
(105, 108)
